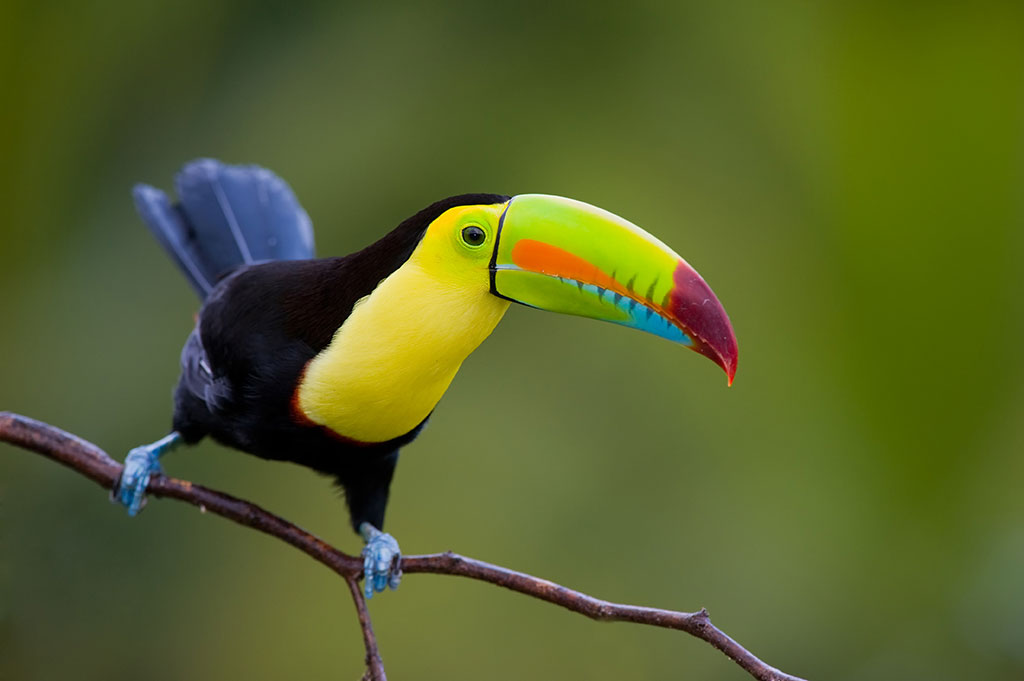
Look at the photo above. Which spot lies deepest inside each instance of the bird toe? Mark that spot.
(130, 490)
(381, 564)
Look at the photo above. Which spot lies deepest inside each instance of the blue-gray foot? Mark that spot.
(382, 560)
(140, 463)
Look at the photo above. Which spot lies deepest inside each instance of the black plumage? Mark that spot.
(262, 322)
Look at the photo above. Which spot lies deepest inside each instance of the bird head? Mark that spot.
(567, 256)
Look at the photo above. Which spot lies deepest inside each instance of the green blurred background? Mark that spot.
(848, 177)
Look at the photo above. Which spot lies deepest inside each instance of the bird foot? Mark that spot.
(140, 463)
(382, 561)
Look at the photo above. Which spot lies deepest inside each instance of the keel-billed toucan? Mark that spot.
(336, 363)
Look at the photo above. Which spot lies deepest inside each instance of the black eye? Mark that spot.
(473, 235)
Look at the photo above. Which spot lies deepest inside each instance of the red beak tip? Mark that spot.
(730, 372)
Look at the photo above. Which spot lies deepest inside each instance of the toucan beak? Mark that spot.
(566, 256)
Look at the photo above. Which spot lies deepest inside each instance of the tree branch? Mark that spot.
(92, 462)
(374, 665)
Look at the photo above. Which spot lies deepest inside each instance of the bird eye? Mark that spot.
(473, 235)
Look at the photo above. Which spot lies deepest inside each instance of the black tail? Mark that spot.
(227, 216)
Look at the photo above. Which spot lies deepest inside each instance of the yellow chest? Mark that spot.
(391, 361)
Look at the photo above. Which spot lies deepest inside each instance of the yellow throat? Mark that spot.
(391, 361)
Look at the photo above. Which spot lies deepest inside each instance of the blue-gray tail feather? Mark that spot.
(227, 216)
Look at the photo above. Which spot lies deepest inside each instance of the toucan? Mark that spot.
(337, 363)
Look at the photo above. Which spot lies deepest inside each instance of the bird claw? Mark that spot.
(130, 490)
(382, 563)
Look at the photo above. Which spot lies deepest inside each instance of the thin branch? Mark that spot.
(694, 623)
(92, 462)
(374, 665)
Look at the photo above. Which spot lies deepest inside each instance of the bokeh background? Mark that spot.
(848, 177)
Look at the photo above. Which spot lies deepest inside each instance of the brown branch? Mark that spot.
(374, 665)
(92, 462)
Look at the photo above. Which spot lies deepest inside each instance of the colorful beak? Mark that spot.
(566, 256)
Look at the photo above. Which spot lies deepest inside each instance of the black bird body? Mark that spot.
(262, 323)
(241, 365)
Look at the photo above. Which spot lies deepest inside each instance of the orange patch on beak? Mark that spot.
(537, 256)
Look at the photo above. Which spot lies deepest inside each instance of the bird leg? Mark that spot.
(382, 560)
(140, 463)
